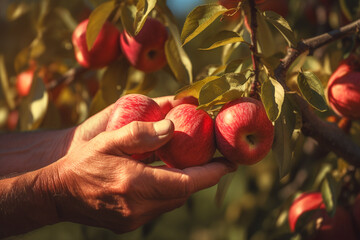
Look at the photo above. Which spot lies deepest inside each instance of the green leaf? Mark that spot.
(222, 38)
(34, 106)
(178, 60)
(114, 79)
(330, 190)
(128, 15)
(194, 89)
(238, 66)
(96, 20)
(312, 89)
(4, 85)
(266, 41)
(282, 26)
(284, 141)
(199, 19)
(144, 7)
(272, 96)
(221, 90)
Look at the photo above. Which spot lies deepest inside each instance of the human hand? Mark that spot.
(99, 184)
(97, 123)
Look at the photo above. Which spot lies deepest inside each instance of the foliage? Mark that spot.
(214, 58)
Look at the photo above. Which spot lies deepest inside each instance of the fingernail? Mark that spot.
(163, 127)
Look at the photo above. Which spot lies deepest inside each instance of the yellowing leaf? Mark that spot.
(223, 38)
(312, 90)
(96, 20)
(272, 96)
(282, 26)
(178, 60)
(194, 89)
(199, 19)
(144, 7)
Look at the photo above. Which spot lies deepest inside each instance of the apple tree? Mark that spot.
(63, 61)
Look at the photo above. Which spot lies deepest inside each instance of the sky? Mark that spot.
(181, 8)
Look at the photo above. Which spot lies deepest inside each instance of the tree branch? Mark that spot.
(325, 133)
(67, 78)
(255, 56)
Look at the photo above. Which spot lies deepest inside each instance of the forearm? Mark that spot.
(26, 202)
(28, 151)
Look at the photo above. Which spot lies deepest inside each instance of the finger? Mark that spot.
(96, 124)
(208, 175)
(137, 137)
(166, 103)
(172, 183)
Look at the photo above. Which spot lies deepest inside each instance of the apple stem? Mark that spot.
(255, 87)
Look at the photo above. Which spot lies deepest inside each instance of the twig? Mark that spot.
(325, 133)
(254, 56)
(67, 78)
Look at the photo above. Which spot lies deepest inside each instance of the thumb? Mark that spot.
(139, 137)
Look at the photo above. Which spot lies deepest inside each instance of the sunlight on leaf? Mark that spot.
(199, 19)
(96, 20)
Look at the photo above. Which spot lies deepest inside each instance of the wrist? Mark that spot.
(26, 203)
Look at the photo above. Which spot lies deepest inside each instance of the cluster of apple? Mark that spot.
(145, 51)
(241, 131)
(310, 206)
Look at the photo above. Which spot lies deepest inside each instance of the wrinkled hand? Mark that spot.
(97, 123)
(99, 184)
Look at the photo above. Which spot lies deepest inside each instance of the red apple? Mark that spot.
(343, 89)
(193, 142)
(134, 107)
(145, 51)
(244, 134)
(105, 49)
(327, 228)
(24, 81)
(304, 203)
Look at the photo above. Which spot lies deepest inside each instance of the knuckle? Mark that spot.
(136, 131)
